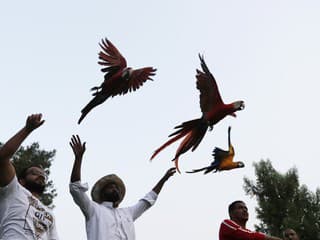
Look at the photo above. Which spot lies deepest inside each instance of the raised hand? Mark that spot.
(157, 188)
(34, 121)
(77, 147)
(169, 173)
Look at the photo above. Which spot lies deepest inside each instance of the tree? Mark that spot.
(31, 155)
(283, 203)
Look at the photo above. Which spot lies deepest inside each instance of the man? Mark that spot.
(235, 227)
(104, 220)
(290, 234)
(22, 215)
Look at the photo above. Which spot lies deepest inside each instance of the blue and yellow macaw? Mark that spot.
(223, 160)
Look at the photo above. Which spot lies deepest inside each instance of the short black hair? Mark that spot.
(288, 229)
(23, 173)
(232, 206)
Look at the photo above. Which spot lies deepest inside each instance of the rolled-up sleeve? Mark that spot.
(78, 191)
(143, 204)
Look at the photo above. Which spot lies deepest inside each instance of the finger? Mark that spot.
(73, 140)
(38, 117)
(78, 139)
(41, 122)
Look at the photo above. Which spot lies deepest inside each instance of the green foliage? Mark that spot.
(33, 155)
(283, 202)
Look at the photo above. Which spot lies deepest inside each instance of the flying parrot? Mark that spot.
(213, 110)
(223, 160)
(118, 78)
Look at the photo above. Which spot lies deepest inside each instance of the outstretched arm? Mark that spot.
(7, 170)
(157, 188)
(151, 197)
(78, 150)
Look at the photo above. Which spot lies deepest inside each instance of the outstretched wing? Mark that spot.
(111, 58)
(220, 155)
(137, 78)
(209, 92)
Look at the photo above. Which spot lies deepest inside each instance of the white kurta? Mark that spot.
(103, 221)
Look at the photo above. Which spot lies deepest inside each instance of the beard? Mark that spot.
(35, 187)
(113, 196)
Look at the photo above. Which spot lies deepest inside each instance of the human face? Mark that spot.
(37, 174)
(110, 193)
(290, 234)
(35, 180)
(240, 212)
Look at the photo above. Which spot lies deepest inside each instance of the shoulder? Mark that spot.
(14, 187)
(229, 224)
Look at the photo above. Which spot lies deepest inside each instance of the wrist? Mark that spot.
(164, 179)
(78, 159)
(28, 129)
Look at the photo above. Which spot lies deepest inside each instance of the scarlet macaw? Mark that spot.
(213, 110)
(223, 160)
(118, 78)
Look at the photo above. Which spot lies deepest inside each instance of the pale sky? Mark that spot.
(266, 53)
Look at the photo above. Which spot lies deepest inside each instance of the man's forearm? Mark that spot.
(12, 145)
(76, 171)
(7, 171)
(157, 188)
(170, 172)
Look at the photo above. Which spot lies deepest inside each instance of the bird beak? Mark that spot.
(242, 106)
(241, 165)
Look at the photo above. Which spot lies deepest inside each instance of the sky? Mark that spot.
(265, 53)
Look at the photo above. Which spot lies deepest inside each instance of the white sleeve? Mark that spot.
(53, 235)
(143, 204)
(10, 188)
(78, 192)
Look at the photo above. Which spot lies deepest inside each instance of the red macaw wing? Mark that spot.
(209, 92)
(111, 58)
(137, 78)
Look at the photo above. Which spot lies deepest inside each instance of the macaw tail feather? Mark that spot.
(186, 128)
(172, 140)
(93, 103)
(176, 161)
(206, 170)
(211, 168)
(197, 170)
(193, 132)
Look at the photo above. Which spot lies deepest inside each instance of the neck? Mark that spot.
(239, 222)
(35, 194)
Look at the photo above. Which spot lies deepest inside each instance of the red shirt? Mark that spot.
(229, 230)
